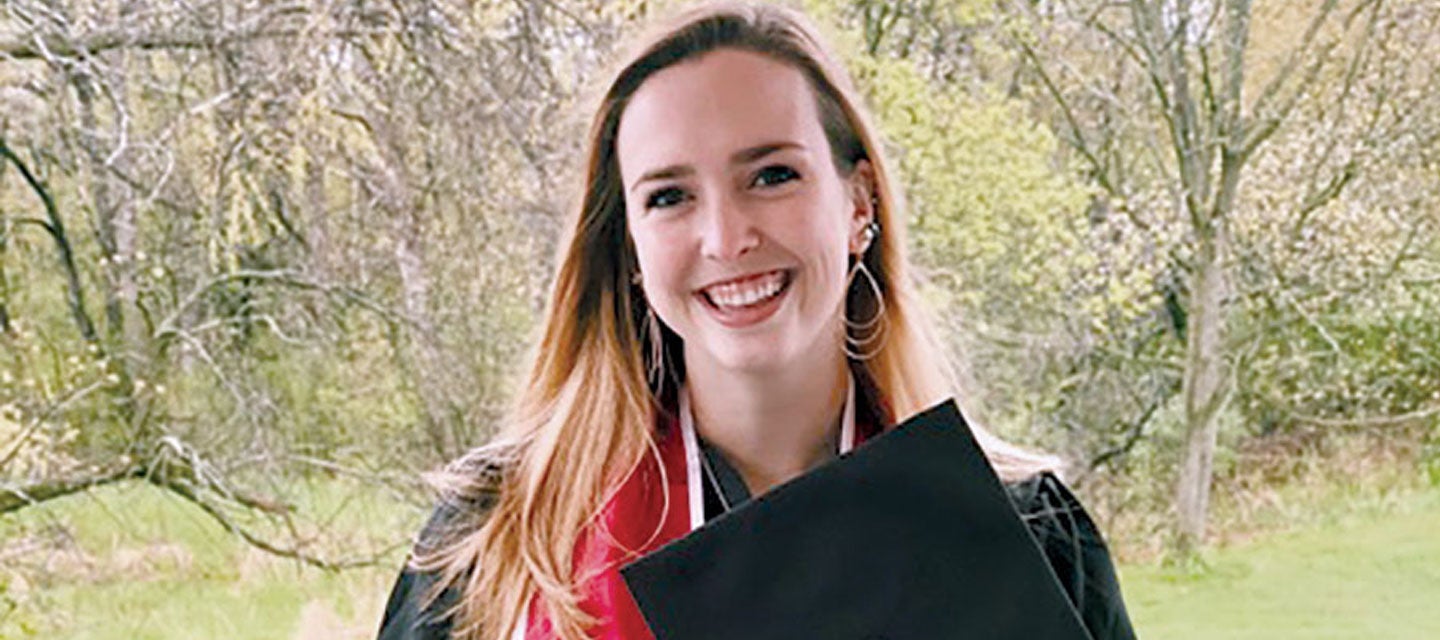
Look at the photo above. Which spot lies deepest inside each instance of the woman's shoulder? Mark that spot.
(1076, 551)
(419, 607)
(1040, 493)
(1055, 517)
(469, 489)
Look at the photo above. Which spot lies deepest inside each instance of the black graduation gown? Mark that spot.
(1069, 539)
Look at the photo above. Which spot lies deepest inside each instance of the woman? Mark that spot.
(731, 309)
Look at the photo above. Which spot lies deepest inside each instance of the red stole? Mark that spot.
(637, 521)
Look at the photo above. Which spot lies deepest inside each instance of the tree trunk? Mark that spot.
(1204, 389)
(317, 218)
(5, 226)
(114, 232)
(427, 359)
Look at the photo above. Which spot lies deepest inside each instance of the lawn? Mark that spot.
(1372, 577)
(134, 563)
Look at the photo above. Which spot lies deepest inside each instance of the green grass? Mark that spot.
(132, 562)
(135, 563)
(1371, 577)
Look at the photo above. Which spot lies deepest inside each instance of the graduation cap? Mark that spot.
(909, 537)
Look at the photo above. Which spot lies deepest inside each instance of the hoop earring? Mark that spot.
(864, 339)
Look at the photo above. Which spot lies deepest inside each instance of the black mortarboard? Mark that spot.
(909, 537)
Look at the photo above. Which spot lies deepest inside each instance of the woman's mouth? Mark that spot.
(746, 301)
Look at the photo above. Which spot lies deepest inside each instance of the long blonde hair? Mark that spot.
(585, 412)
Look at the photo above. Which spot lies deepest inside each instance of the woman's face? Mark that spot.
(742, 225)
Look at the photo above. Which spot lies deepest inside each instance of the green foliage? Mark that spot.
(1430, 456)
(988, 202)
(1338, 310)
(1026, 262)
(1357, 365)
(45, 363)
(33, 447)
(336, 404)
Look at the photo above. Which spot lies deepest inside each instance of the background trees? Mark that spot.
(248, 241)
(243, 243)
(1173, 107)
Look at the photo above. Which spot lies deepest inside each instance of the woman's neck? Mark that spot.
(770, 427)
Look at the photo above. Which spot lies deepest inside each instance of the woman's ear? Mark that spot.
(863, 195)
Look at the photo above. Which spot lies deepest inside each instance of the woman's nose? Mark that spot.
(727, 232)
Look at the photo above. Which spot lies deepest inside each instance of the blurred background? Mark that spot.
(263, 263)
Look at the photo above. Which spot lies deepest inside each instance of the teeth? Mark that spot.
(746, 293)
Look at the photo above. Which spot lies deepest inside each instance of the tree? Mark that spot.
(1049, 309)
(243, 243)
(1169, 105)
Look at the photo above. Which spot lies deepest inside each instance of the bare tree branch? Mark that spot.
(1368, 422)
(56, 227)
(15, 497)
(57, 407)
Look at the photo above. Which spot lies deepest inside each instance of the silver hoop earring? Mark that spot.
(863, 339)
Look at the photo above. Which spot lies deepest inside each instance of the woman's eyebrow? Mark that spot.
(664, 173)
(743, 156)
(757, 152)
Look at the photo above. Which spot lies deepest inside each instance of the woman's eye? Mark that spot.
(665, 198)
(773, 175)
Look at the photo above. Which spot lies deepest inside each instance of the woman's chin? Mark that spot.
(750, 357)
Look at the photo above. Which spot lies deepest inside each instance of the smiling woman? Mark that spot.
(731, 310)
(743, 229)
